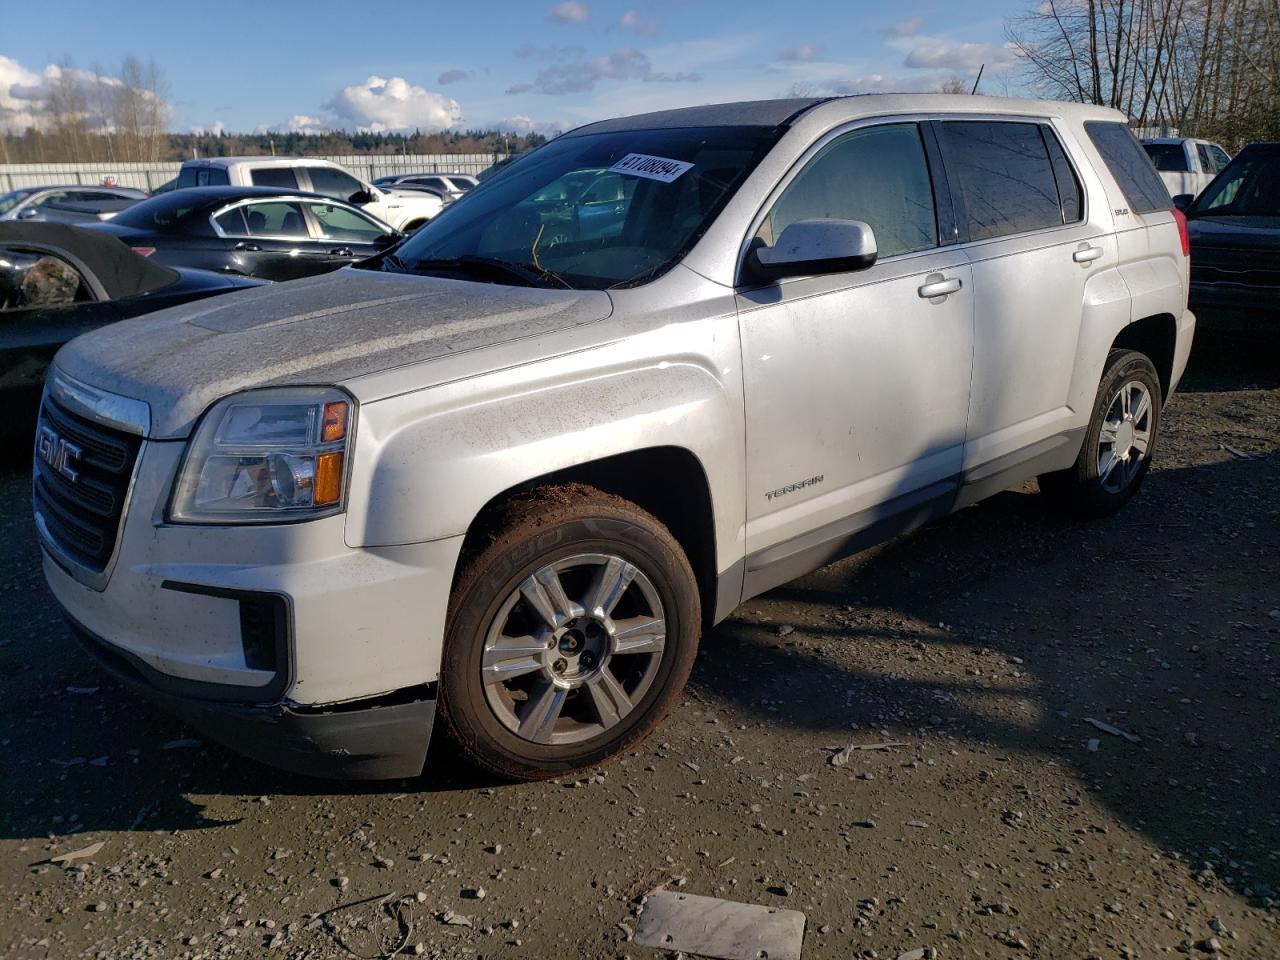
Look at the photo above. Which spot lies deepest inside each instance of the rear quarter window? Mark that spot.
(1130, 165)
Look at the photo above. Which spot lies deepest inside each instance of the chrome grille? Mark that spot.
(80, 496)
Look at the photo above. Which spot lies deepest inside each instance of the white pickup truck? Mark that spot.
(406, 210)
(1186, 166)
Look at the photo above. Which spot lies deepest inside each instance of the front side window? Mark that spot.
(1167, 157)
(339, 223)
(878, 175)
(274, 177)
(536, 220)
(1220, 158)
(1249, 187)
(275, 219)
(1130, 165)
(334, 183)
(1003, 177)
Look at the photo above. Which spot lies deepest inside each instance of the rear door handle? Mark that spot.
(251, 247)
(1087, 254)
(939, 287)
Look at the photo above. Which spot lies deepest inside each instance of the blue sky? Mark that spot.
(519, 64)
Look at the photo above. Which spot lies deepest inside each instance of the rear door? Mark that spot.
(1022, 221)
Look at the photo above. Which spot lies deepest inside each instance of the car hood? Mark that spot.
(1235, 233)
(323, 330)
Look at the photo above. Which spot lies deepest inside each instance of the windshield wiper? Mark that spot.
(473, 263)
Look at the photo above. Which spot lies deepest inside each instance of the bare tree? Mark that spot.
(1206, 67)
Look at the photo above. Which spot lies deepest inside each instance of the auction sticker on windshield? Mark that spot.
(651, 168)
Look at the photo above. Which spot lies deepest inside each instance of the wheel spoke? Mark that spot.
(609, 699)
(538, 719)
(1107, 465)
(1142, 442)
(640, 635)
(545, 594)
(503, 663)
(610, 584)
(1108, 432)
(1143, 406)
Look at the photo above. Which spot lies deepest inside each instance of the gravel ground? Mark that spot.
(1000, 823)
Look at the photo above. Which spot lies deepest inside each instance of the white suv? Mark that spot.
(499, 480)
(1186, 166)
(405, 210)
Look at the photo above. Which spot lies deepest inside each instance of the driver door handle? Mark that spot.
(251, 247)
(1087, 254)
(341, 252)
(940, 287)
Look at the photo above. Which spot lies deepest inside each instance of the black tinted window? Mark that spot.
(877, 175)
(334, 183)
(1167, 157)
(274, 177)
(1002, 176)
(1130, 165)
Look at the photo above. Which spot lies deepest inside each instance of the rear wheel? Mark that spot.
(570, 636)
(1119, 442)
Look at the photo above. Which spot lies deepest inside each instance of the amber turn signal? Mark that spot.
(334, 425)
(328, 482)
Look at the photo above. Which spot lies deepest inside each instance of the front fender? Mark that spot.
(427, 462)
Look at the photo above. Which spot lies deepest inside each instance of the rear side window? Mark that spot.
(877, 175)
(1130, 166)
(274, 177)
(1003, 177)
(1220, 157)
(1167, 157)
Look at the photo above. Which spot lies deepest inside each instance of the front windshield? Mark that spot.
(1249, 187)
(594, 211)
(10, 200)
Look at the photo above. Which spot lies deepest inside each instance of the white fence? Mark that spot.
(148, 176)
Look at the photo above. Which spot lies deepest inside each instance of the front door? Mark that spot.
(857, 384)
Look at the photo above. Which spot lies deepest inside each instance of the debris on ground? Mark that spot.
(723, 929)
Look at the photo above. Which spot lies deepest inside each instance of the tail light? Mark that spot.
(148, 251)
(1183, 235)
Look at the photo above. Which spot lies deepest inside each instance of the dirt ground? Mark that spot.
(1001, 824)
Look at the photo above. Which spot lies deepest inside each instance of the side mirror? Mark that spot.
(388, 240)
(812, 247)
(30, 213)
(365, 195)
(1183, 201)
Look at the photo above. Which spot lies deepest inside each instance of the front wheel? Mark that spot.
(570, 635)
(1119, 441)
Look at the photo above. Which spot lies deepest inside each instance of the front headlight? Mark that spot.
(267, 456)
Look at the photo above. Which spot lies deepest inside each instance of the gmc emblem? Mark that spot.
(58, 453)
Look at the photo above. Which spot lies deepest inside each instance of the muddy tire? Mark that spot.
(572, 628)
(1119, 443)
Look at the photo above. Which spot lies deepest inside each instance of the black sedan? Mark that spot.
(253, 231)
(1234, 227)
(57, 282)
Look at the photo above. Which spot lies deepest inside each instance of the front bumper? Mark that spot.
(379, 739)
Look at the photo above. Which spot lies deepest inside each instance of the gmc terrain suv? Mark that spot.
(499, 486)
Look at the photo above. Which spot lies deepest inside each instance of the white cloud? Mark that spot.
(17, 106)
(635, 23)
(908, 27)
(580, 76)
(570, 11)
(526, 125)
(803, 53)
(951, 55)
(25, 94)
(381, 106)
(216, 129)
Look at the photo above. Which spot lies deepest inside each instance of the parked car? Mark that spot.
(1235, 242)
(404, 210)
(1185, 165)
(58, 281)
(69, 204)
(449, 185)
(254, 231)
(499, 489)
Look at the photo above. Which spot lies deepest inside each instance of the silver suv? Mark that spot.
(500, 479)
